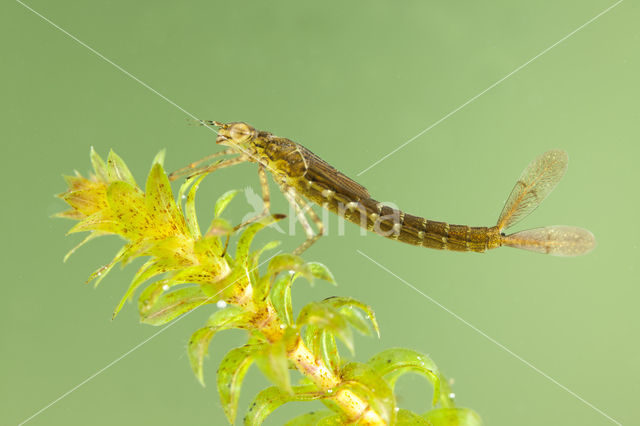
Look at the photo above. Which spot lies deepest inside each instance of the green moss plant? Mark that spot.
(187, 268)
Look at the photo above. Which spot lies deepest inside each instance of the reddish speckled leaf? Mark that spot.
(160, 202)
(101, 221)
(231, 372)
(147, 271)
(395, 362)
(178, 302)
(88, 199)
(129, 210)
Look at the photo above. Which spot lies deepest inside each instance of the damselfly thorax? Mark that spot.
(303, 176)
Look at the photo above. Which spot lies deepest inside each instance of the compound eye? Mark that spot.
(241, 132)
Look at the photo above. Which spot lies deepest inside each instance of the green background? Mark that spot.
(351, 81)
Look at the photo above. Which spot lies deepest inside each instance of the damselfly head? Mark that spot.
(234, 134)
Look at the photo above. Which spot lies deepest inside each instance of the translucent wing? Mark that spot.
(536, 182)
(322, 172)
(553, 240)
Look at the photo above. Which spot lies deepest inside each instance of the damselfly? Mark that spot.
(303, 176)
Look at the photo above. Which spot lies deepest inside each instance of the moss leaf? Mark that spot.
(223, 202)
(281, 298)
(395, 362)
(190, 207)
(117, 170)
(319, 270)
(274, 364)
(231, 372)
(99, 166)
(345, 304)
(173, 304)
(271, 398)
(371, 387)
(160, 201)
(230, 317)
(324, 316)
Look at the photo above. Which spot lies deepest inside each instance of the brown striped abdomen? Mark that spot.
(397, 225)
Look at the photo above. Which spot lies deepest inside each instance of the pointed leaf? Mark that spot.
(128, 205)
(99, 167)
(102, 272)
(244, 242)
(182, 193)
(274, 364)
(117, 170)
(286, 262)
(393, 363)
(147, 271)
(174, 304)
(88, 238)
(101, 221)
(279, 263)
(269, 246)
(340, 302)
(230, 317)
(190, 208)
(329, 318)
(159, 158)
(160, 202)
(271, 398)
(219, 226)
(223, 202)
(453, 417)
(281, 298)
(319, 270)
(87, 199)
(369, 385)
(356, 319)
(231, 372)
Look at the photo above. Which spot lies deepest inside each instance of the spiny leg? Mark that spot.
(266, 198)
(297, 201)
(219, 165)
(306, 208)
(193, 167)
